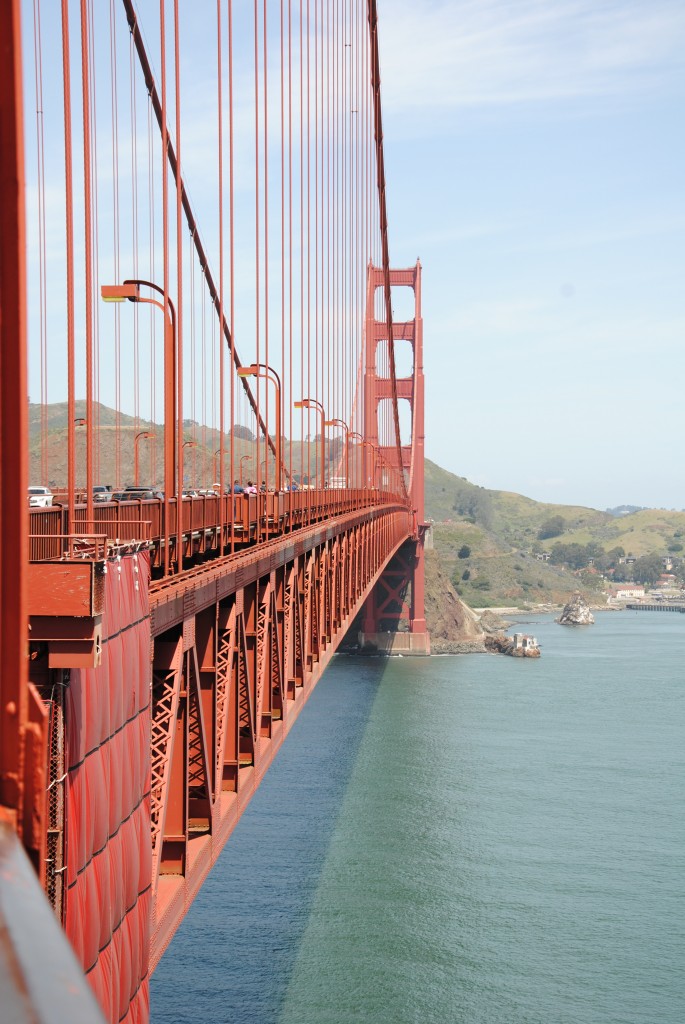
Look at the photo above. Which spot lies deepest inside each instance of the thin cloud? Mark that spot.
(495, 53)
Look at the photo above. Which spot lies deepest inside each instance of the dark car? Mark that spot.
(133, 493)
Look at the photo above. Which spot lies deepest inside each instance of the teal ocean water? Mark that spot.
(462, 839)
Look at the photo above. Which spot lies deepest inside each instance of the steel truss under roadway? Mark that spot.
(236, 654)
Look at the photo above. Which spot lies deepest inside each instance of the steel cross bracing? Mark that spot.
(175, 632)
(257, 649)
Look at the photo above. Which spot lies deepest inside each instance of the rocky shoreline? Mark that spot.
(455, 628)
(576, 612)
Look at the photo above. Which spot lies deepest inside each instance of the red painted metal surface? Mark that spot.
(40, 979)
(387, 606)
(13, 424)
(106, 716)
(173, 640)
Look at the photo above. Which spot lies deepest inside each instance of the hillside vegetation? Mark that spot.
(487, 540)
(115, 447)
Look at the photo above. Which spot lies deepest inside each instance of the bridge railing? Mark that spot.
(210, 524)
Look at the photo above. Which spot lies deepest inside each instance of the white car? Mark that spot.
(40, 497)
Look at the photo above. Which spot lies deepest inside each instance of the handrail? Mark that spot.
(207, 522)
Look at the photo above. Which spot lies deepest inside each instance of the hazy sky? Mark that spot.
(535, 157)
(535, 162)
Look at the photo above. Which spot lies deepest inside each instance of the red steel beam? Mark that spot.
(231, 677)
(13, 423)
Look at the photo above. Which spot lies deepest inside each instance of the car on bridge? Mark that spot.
(40, 497)
(134, 493)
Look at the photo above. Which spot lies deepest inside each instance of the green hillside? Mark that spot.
(486, 540)
(501, 531)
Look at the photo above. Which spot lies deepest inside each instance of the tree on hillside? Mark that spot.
(242, 432)
(473, 503)
(552, 527)
(647, 569)
(623, 573)
(609, 559)
(573, 555)
(464, 551)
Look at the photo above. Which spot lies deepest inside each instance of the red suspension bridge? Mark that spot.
(195, 286)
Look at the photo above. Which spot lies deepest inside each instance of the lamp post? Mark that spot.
(242, 459)
(189, 444)
(313, 403)
(355, 435)
(374, 460)
(337, 422)
(136, 442)
(366, 444)
(382, 467)
(263, 371)
(130, 290)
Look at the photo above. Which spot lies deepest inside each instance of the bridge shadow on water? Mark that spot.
(232, 958)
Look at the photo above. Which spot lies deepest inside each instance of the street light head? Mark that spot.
(248, 371)
(191, 444)
(300, 405)
(80, 421)
(119, 292)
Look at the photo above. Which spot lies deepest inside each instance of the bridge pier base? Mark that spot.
(405, 644)
(394, 618)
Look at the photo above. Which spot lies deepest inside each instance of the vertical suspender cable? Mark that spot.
(169, 384)
(179, 297)
(220, 477)
(88, 239)
(257, 239)
(134, 236)
(265, 99)
(151, 277)
(95, 307)
(309, 240)
(115, 239)
(279, 426)
(231, 247)
(316, 211)
(168, 151)
(42, 283)
(69, 203)
(290, 237)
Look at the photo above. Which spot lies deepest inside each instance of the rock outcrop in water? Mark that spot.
(520, 645)
(576, 612)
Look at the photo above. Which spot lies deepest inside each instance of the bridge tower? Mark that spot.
(394, 615)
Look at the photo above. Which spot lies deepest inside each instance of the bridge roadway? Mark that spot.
(234, 644)
(209, 524)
